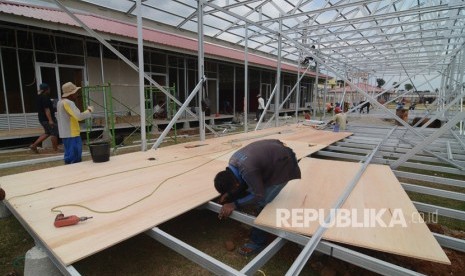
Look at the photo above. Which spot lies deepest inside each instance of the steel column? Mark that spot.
(140, 53)
(200, 68)
(246, 79)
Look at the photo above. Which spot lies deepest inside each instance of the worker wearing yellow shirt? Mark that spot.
(68, 116)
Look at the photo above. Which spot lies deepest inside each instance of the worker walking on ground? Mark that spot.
(261, 107)
(339, 120)
(47, 118)
(255, 175)
(69, 116)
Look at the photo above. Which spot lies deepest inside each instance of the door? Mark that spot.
(304, 96)
(57, 75)
(74, 75)
(284, 93)
(49, 76)
(159, 98)
(212, 95)
(161, 79)
(265, 91)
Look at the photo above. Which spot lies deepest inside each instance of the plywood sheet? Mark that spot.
(133, 192)
(378, 193)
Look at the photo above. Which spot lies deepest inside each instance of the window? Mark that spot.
(44, 42)
(7, 37)
(69, 45)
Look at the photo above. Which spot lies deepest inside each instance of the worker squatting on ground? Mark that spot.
(69, 116)
(255, 175)
(339, 120)
(46, 114)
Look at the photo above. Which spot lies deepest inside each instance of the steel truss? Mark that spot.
(403, 38)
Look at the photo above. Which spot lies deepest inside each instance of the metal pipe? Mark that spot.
(303, 257)
(200, 69)
(278, 74)
(266, 107)
(431, 138)
(288, 96)
(246, 78)
(140, 51)
(178, 114)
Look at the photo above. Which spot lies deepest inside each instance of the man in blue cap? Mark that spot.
(47, 118)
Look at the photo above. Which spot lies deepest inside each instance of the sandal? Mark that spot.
(250, 249)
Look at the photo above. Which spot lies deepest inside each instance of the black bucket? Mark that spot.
(100, 151)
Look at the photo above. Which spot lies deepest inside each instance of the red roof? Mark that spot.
(105, 25)
(363, 86)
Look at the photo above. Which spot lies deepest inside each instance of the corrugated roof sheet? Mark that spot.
(105, 25)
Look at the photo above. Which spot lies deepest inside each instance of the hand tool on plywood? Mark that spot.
(62, 221)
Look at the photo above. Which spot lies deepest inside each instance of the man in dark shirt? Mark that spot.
(255, 175)
(47, 118)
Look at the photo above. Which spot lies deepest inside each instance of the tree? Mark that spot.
(408, 86)
(380, 82)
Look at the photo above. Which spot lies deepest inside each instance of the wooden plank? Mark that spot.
(158, 185)
(322, 183)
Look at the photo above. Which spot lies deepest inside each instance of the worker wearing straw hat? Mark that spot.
(69, 116)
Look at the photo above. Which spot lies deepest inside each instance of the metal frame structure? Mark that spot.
(379, 38)
(393, 38)
(383, 144)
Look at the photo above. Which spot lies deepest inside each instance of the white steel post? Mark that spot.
(246, 79)
(140, 50)
(200, 68)
(297, 96)
(278, 75)
(315, 90)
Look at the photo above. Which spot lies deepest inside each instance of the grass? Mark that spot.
(14, 242)
(450, 223)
